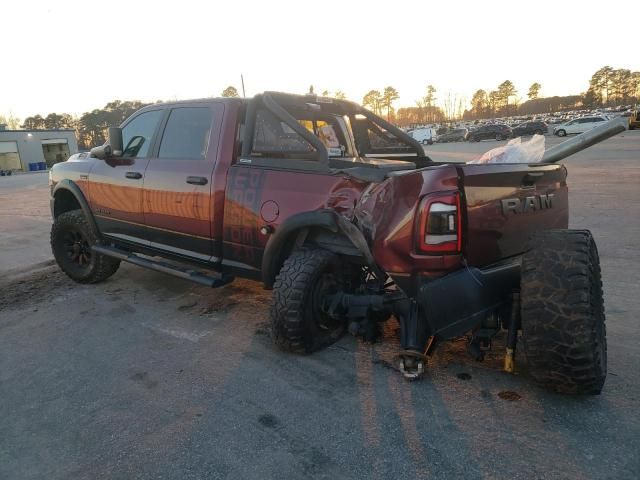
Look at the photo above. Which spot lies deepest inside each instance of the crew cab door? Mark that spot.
(115, 185)
(177, 182)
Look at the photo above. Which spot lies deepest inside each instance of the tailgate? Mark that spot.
(505, 204)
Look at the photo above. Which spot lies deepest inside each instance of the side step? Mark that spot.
(186, 273)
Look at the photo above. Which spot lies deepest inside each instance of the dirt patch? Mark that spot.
(241, 293)
(218, 304)
(264, 329)
(455, 351)
(33, 289)
(509, 396)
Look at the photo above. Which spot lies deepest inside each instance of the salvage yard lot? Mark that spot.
(149, 376)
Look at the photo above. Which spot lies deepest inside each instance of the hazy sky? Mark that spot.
(73, 56)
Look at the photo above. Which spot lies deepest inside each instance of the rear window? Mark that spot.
(382, 141)
(186, 135)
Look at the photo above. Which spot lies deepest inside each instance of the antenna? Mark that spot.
(242, 80)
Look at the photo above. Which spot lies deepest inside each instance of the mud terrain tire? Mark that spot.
(563, 321)
(71, 231)
(297, 325)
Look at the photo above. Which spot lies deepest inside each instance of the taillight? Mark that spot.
(440, 226)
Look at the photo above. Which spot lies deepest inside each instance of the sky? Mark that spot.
(69, 56)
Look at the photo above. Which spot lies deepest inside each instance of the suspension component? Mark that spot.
(411, 364)
(512, 334)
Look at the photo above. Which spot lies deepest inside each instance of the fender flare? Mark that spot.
(325, 219)
(75, 190)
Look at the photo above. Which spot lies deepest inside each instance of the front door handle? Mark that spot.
(133, 175)
(197, 180)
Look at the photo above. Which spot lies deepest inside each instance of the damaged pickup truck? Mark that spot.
(349, 222)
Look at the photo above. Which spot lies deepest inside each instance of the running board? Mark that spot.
(186, 273)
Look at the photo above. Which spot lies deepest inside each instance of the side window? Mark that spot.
(186, 135)
(137, 134)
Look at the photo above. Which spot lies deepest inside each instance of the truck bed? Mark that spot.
(501, 206)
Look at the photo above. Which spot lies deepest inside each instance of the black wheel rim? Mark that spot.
(76, 248)
(325, 284)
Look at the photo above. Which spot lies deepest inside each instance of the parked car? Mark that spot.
(455, 135)
(497, 131)
(579, 125)
(211, 189)
(425, 136)
(634, 118)
(530, 128)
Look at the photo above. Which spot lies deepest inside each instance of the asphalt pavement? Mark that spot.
(149, 376)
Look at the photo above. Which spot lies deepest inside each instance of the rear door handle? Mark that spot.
(133, 175)
(197, 180)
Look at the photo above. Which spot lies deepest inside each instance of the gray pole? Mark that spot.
(585, 140)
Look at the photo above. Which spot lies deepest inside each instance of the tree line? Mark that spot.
(607, 87)
(90, 127)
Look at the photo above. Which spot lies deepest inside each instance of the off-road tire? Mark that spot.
(294, 326)
(98, 267)
(563, 321)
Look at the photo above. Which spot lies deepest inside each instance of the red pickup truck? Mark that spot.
(348, 221)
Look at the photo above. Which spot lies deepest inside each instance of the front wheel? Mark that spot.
(562, 310)
(71, 242)
(561, 133)
(298, 323)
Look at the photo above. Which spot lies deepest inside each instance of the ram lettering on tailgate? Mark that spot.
(529, 204)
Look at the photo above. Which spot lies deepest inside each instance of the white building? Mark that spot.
(30, 150)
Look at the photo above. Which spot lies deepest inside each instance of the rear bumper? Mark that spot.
(456, 303)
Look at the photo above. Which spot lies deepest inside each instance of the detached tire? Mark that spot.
(297, 322)
(563, 321)
(71, 242)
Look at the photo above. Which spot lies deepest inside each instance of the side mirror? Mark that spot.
(113, 147)
(115, 141)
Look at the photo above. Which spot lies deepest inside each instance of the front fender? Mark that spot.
(73, 188)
